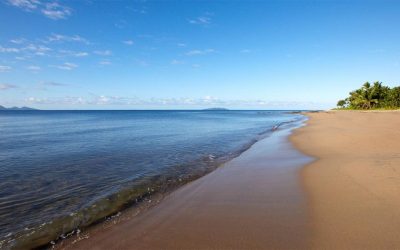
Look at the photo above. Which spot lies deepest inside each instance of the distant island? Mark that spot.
(216, 109)
(16, 108)
(372, 96)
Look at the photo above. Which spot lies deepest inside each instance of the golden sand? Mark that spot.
(354, 185)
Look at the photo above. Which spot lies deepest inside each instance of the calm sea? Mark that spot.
(61, 170)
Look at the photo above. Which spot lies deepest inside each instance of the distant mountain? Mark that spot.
(16, 108)
(216, 109)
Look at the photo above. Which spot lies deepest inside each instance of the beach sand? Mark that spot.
(353, 187)
(255, 201)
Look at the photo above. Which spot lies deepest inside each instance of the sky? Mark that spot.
(194, 54)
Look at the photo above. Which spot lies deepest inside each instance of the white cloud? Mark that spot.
(74, 53)
(245, 51)
(4, 68)
(6, 86)
(39, 50)
(29, 50)
(27, 5)
(199, 52)
(18, 40)
(66, 38)
(39, 47)
(81, 54)
(67, 66)
(36, 100)
(72, 100)
(57, 84)
(202, 20)
(128, 42)
(56, 11)
(50, 9)
(181, 44)
(105, 62)
(46, 85)
(33, 68)
(9, 50)
(184, 102)
(177, 62)
(103, 52)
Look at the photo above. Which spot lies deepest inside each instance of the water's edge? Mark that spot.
(113, 207)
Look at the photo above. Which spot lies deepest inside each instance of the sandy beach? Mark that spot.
(353, 187)
(254, 201)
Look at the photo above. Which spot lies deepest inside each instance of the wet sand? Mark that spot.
(255, 201)
(354, 186)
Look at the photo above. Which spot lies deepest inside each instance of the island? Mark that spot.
(16, 108)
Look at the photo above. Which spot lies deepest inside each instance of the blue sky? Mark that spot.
(194, 54)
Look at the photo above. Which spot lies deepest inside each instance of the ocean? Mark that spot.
(64, 170)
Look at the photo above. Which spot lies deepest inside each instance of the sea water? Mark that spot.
(62, 170)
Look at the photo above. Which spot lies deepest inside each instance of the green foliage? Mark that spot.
(341, 103)
(375, 96)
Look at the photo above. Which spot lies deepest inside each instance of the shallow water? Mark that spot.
(61, 170)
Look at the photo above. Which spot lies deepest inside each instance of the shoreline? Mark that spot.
(205, 198)
(353, 184)
(36, 237)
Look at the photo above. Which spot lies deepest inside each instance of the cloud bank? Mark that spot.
(165, 103)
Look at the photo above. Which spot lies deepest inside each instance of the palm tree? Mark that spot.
(372, 96)
(365, 98)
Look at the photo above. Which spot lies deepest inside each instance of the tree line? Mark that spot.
(372, 96)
